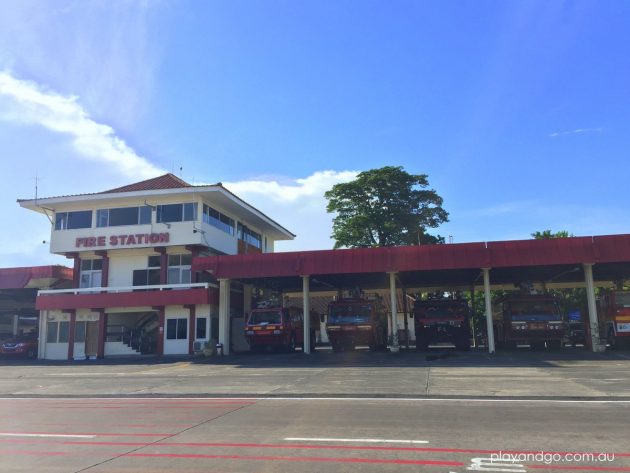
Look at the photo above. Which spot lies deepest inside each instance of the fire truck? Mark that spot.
(614, 315)
(442, 320)
(533, 319)
(357, 321)
(278, 328)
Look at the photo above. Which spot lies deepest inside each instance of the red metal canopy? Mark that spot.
(460, 256)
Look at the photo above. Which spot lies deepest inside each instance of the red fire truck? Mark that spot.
(442, 320)
(529, 319)
(279, 328)
(614, 315)
(357, 321)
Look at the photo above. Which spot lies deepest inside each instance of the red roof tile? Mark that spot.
(167, 181)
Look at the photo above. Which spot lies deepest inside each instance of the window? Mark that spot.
(176, 213)
(249, 236)
(179, 269)
(218, 220)
(57, 332)
(73, 220)
(177, 329)
(79, 332)
(51, 332)
(123, 216)
(200, 329)
(91, 272)
(150, 276)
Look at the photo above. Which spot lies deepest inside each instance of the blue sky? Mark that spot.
(519, 112)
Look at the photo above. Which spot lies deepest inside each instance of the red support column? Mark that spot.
(160, 340)
(105, 271)
(71, 330)
(76, 272)
(191, 327)
(102, 327)
(163, 263)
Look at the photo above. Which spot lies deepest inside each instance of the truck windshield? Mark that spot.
(524, 311)
(349, 314)
(622, 299)
(440, 311)
(265, 317)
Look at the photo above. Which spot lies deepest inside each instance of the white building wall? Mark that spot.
(122, 263)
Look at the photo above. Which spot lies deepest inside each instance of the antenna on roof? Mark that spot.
(36, 179)
(181, 172)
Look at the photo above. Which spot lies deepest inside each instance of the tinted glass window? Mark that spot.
(200, 331)
(123, 216)
(182, 329)
(154, 261)
(63, 332)
(190, 212)
(79, 332)
(265, 317)
(145, 215)
(171, 329)
(102, 217)
(81, 219)
(169, 213)
(51, 332)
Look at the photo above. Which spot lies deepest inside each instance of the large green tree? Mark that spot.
(548, 234)
(385, 207)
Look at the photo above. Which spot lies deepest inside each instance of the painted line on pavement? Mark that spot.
(296, 447)
(294, 459)
(76, 436)
(353, 399)
(80, 434)
(318, 439)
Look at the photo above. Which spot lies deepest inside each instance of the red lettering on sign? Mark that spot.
(116, 240)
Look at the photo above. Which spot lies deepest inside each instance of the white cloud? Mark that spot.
(297, 204)
(31, 104)
(577, 131)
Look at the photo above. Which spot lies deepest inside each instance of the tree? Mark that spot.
(547, 234)
(385, 207)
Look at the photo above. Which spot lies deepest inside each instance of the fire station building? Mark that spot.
(133, 289)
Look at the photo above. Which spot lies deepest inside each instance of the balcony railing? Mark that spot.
(127, 296)
(119, 289)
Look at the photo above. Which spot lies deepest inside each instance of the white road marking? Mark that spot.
(487, 464)
(75, 436)
(352, 399)
(317, 439)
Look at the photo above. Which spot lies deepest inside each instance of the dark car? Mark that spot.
(21, 345)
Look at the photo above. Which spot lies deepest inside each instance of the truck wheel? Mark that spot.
(463, 344)
(291, 346)
(422, 344)
(31, 354)
(536, 345)
(337, 347)
(554, 344)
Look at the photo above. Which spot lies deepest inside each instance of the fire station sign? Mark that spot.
(122, 240)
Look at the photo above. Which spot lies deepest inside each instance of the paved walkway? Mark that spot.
(566, 374)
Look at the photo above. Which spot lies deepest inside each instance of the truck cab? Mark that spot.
(278, 328)
(442, 320)
(533, 319)
(614, 313)
(357, 321)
